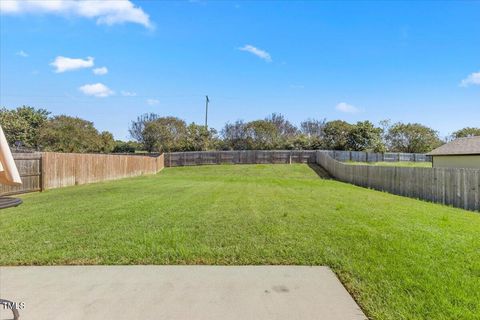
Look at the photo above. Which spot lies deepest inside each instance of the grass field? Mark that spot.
(400, 258)
(393, 164)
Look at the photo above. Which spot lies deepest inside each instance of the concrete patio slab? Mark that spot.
(176, 292)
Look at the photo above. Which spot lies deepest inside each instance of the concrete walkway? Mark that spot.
(177, 292)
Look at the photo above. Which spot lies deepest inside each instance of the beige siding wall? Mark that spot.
(466, 161)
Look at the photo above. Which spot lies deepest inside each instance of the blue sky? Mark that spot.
(111, 61)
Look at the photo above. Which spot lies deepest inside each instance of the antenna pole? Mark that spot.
(206, 111)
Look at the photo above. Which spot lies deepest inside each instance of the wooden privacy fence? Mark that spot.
(362, 156)
(457, 187)
(195, 158)
(48, 170)
(30, 168)
(68, 169)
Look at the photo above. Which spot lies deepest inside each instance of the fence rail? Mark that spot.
(457, 187)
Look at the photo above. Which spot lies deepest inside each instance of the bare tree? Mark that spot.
(138, 126)
(313, 128)
(284, 127)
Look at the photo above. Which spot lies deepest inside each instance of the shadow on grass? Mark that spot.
(322, 173)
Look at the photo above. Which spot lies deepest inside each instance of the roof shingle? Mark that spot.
(460, 146)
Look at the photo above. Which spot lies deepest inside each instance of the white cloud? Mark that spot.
(472, 79)
(63, 64)
(347, 108)
(22, 53)
(100, 71)
(128, 94)
(97, 90)
(105, 12)
(8, 6)
(152, 102)
(262, 54)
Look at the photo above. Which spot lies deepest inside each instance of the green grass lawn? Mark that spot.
(400, 258)
(393, 164)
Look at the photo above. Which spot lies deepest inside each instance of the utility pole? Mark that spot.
(206, 111)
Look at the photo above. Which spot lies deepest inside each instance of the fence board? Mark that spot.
(29, 168)
(175, 159)
(67, 169)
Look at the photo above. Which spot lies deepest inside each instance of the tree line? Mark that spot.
(37, 129)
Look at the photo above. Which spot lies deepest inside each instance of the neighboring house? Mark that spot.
(460, 153)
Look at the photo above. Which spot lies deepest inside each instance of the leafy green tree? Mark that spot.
(364, 136)
(23, 124)
(199, 138)
(71, 134)
(336, 135)
(299, 142)
(126, 146)
(166, 134)
(235, 136)
(263, 135)
(107, 143)
(466, 132)
(412, 138)
(15, 127)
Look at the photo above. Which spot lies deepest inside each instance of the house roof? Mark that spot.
(460, 146)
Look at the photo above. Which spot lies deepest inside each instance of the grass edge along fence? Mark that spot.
(450, 186)
(457, 187)
(49, 170)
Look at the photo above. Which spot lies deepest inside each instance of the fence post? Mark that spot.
(42, 172)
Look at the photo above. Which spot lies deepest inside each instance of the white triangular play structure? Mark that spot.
(8, 170)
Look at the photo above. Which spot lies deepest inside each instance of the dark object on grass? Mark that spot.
(7, 202)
